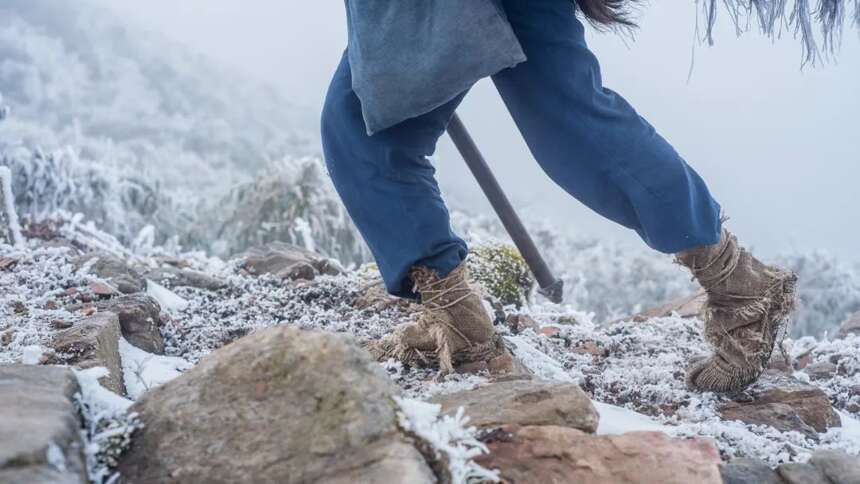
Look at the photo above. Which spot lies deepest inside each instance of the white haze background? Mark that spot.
(779, 146)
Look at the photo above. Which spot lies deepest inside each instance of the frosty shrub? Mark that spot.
(828, 292)
(292, 202)
(10, 230)
(118, 200)
(450, 440)
(502, 272)
(131, 131)
(108, 427)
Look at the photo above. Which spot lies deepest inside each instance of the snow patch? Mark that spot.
(143, 371)
(55, 457)
(538, 362)
(167, 299)
(618, 420)
(98, 396)
(31, 355)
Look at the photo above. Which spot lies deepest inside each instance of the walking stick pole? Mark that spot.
(549, 285)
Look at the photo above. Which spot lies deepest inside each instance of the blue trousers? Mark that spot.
(587, 138)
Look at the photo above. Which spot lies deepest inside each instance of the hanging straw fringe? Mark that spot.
(775, 16)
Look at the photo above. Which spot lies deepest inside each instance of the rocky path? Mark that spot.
(170, 368)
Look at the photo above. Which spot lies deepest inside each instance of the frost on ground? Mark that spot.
(108, 426)
(638, 378)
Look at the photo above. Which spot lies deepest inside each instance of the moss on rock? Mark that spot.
(502, 272)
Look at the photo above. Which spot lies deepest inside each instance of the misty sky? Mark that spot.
(779, 147)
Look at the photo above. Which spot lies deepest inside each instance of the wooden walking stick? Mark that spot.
(550, 287)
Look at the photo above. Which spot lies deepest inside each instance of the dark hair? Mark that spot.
(607, 13)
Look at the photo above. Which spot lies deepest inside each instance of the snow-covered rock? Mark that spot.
(112, 270)
(92, 342)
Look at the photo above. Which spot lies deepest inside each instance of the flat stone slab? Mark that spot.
(39, 428)
(287, 261)
(524, 402)
(784, 403)
(686, 307)
(551, 454)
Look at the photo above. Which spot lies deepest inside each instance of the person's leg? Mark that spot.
(591, 142)
(388, 187)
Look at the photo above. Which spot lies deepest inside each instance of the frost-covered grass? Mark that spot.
(451, 439)
(843, 387)
(108, 426)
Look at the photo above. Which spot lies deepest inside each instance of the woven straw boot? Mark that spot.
(745, 315)
(453, 328)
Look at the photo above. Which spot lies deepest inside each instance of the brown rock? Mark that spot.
(590, 348)
(779, 363)
(550, 331)
(551, 454)
(7, 263)
(61, 324)
(375, 298)
(524, 402)
(820, 370)
(797, 473)
(839, 467)
(139, 317)
(92, 342)
(786, 404)
(114, 271)
(687, 307)
(170, 276)
(521, 322)
(287, 261)
(278, 406)
(850, 325)
(6, 336)
(501, 367)
(803, 360)
(103, 289)
(748, 471)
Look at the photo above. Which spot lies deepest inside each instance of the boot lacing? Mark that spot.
(710, 283)
(434, 298)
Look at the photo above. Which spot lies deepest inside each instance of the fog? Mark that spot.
(778, 145)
